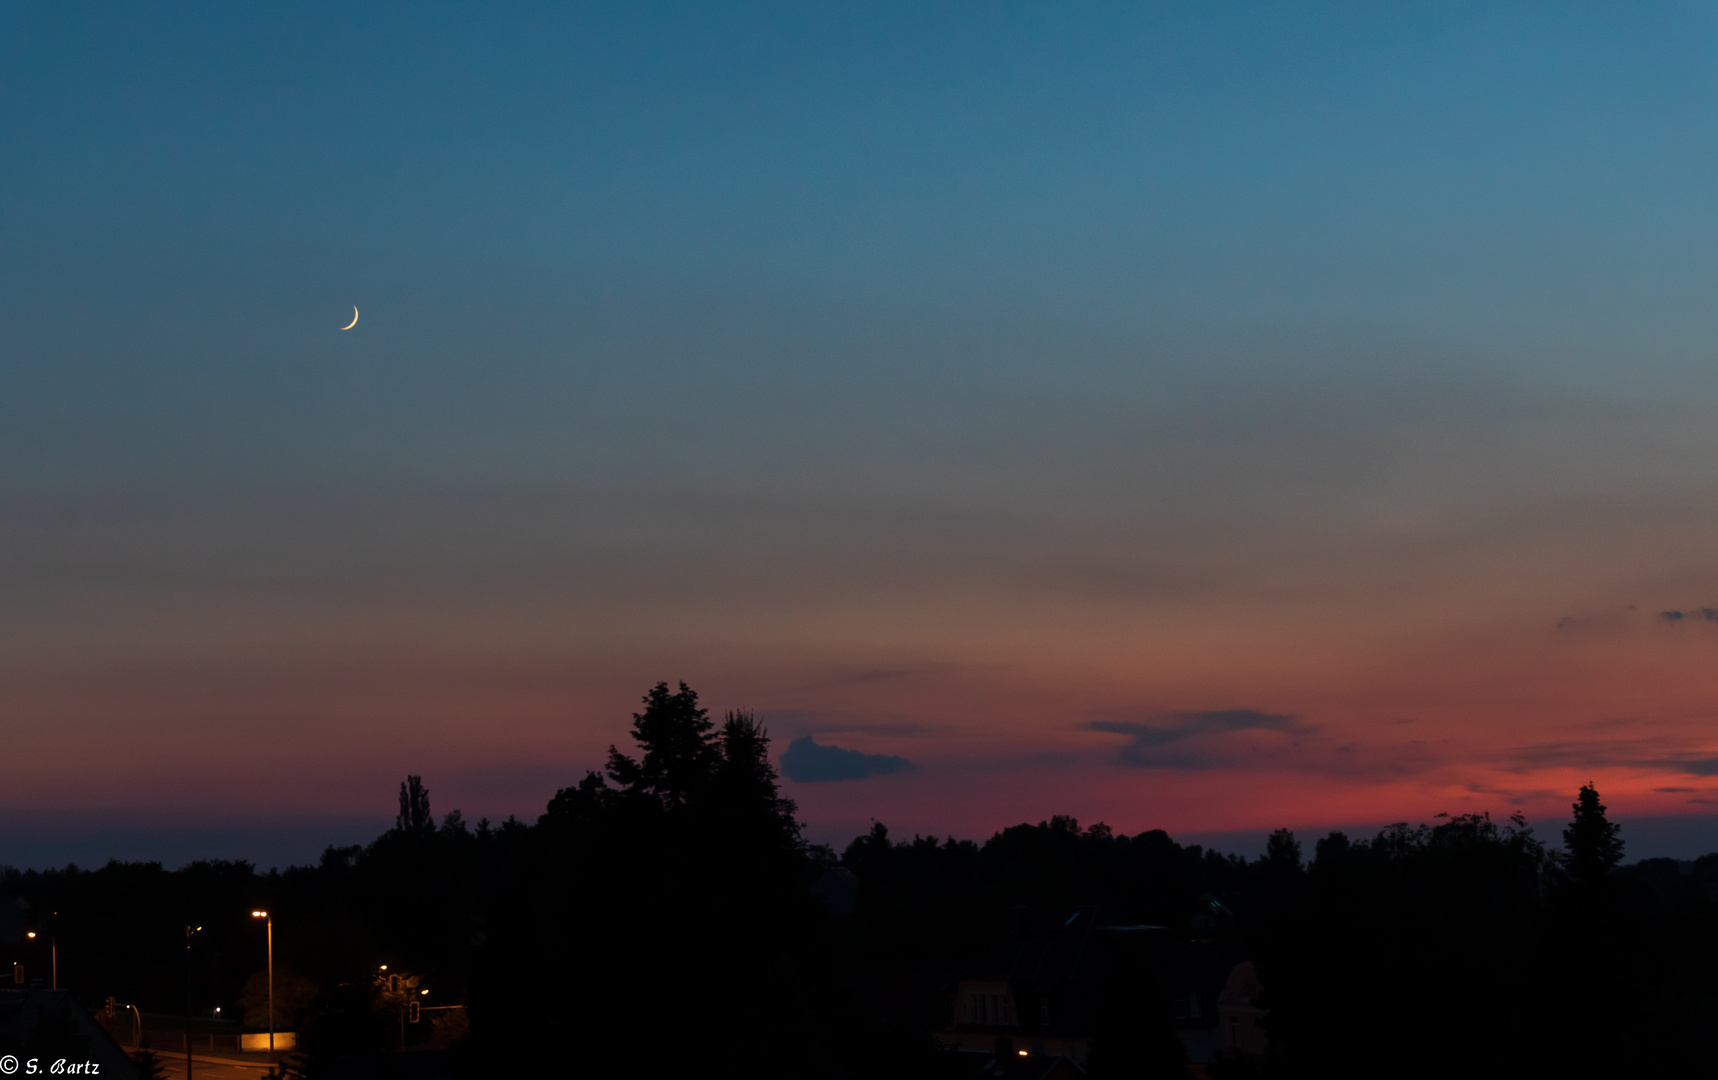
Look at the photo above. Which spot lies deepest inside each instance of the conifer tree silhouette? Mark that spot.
(680, 749)
(1592, 840)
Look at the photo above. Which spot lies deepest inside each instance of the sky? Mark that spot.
(1208, 417)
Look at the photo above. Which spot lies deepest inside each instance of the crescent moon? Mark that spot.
(354, 321)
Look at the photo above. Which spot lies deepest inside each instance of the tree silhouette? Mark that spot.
(680, 750)
(1282, 851)
(679, 868)
(415, 818)
(1453, 914)
(1592, 840)
(662, 918)
(744, 788)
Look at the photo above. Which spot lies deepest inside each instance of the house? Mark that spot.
(1044, 995)
(1240, 1010)
(50, 1027)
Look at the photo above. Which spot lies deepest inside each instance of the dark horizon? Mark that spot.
(49, 839)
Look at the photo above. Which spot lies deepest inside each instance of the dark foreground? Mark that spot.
(664, 918)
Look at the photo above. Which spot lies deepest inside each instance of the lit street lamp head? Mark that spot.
(259, 914)
(31, 933)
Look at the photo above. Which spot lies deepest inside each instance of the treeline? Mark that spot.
(1469, 948)
(666, 917)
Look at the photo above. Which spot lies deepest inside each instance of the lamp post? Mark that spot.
(395, 984)
(266, 918)
(54, 956)
(189, 930)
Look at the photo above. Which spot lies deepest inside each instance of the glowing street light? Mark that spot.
(53, 953)
(263, 915)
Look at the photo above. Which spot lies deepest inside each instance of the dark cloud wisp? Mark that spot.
(1691, 766)
(1194, 740)
(805, 762)
(1706, 613)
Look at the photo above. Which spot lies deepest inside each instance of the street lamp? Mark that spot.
(263, 915)
(189, 930)
(53, 953)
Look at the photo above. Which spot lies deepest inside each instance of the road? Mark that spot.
(173, 1068)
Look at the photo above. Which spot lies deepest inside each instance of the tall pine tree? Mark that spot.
(1592, 840)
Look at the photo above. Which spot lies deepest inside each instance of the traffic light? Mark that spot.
(17, 974)
(412, 1012)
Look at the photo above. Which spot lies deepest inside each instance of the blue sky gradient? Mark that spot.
(938, 379)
